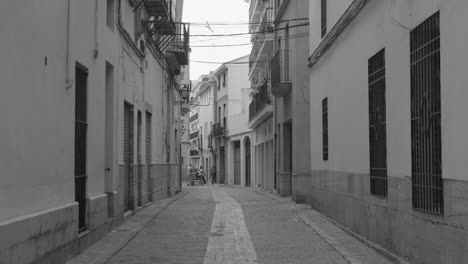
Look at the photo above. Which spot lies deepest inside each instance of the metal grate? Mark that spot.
(324, 17)
(139, 161)
(81, 127)
(426, 143)
(377, 125)
(128, 157)
(149, 183)
(325, 128)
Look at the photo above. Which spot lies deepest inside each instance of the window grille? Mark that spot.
(324, 17)
(148, 137)
(81, 127)
(426, 144)
(325, 128)
(377, 125)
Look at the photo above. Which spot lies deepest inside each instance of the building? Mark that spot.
(388, 120)
(91, 128)
(231, 135)
(279, 112)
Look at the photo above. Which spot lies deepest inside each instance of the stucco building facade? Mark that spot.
(90, 134)
(231, 134)
(279, 112)
(388, 117)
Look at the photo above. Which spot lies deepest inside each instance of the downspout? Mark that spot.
(68, 82)
(96, 11)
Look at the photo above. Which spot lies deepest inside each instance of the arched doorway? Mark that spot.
(247, 163)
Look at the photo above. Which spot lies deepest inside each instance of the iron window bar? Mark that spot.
(377, 125)
(426, 135)
(325, 128)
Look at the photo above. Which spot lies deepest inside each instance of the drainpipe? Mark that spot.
(68, 82)
(96, 11)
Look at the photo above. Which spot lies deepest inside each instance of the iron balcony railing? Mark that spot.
(194, 135)
(261, 99)
(193, 152)
(259, 36)
(194, 117)
(280, 68)
(180, 44)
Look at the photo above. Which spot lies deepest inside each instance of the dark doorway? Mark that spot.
(248, 180)
(237, 163)
(81, 129)
(221, 165)
(139, 161)
(287, 150)
(109, 140)
(149, 183)
(128, 157)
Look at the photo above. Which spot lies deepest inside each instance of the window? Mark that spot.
(224, 79)
(81, 135)
(426, 143)
(377, 125)
(138, 23)
(110, 15)
(324, 17)
(325, 128)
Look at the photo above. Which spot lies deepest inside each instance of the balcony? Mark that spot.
(280, 81)
(194, 117)
(219, 130)
(178, 51)
(260, 108)
(255, 13)
(262, 41)
(163, 15)
(193, 152)
(194, 135)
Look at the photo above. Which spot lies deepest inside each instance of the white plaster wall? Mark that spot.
(36, 109)
(347, 93)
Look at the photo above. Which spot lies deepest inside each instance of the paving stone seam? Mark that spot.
(343, 252)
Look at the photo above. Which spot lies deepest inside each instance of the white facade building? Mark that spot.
(89, 124)
(231, 132)
(388, 123)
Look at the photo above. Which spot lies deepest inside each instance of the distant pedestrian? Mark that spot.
(190, 175)
(201, 174)
(213, 175)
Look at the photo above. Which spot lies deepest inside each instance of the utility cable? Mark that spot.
(243, 44)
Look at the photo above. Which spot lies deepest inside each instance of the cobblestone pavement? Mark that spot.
(220, 224)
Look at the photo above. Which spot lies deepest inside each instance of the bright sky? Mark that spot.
(216, 11)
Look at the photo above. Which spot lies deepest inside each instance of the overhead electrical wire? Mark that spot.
(229, 23)
(244, 44)
(248, 33)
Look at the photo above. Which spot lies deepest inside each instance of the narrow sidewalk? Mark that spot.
(104, 249)
(353, 247)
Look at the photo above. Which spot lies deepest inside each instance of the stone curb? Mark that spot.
(347, 255)
(111, 244)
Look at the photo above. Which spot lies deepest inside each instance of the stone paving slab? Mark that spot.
(104, 249)
(354, 248)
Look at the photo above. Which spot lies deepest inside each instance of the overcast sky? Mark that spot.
(215, 11)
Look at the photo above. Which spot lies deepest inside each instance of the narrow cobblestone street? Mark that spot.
(217, 224)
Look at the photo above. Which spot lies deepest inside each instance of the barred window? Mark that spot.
(426, 143)
(377, 125)
(324, 17)
(325, 128)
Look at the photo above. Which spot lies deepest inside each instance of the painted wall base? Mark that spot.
(284, 184)
(301, 183)
(30, 237)
(392, 222)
